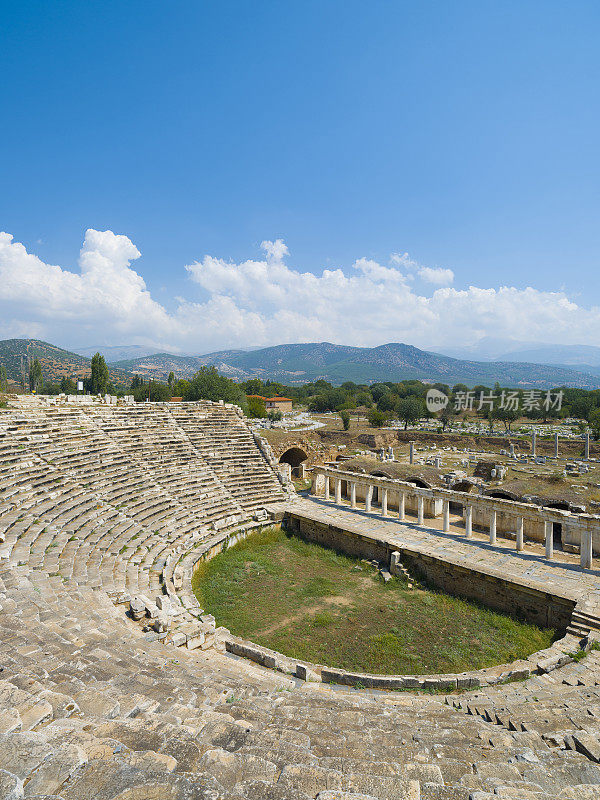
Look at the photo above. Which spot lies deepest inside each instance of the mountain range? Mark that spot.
(295, 364)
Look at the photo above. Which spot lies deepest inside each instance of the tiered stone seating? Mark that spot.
(100, 505)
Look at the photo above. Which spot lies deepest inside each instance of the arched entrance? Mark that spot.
(562, 505)
(294, 456)
(456, 507)
(375, 495)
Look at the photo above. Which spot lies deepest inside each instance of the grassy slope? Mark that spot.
(314, 604)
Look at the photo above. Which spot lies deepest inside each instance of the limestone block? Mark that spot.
(163, 603)
(137, 607)
(306, 674)
(21, 753)
(11, 787)
(97, 704)
(231, 768)
(55, 770)
(161, 622)
(588, 745)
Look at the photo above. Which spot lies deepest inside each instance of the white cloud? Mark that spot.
(265, 301)
(436, 275)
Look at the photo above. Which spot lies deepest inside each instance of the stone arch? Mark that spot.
(561, 505)
(502, 494)
(378, 473)
(464, 486)
(422, 484)
(294, 456)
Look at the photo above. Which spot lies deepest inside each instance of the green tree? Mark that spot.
(595, 423)
(376, 418)
(207, 384)
(410, 410)
(36, 379)
(275, 415)
(158, 392)
(3, 378)
(257, 408)
(171, 378)
(345, 417)
(67, 385)
(100, 376)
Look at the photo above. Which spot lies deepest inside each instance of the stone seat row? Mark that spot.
(92, 709)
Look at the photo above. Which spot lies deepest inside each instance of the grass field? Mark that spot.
(314, 604)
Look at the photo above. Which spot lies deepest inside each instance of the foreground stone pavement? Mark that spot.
(95, 509)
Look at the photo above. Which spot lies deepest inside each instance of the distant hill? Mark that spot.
(54, 361)
(117, 352)
(295, 364)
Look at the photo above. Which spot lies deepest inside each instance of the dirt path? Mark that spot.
(338, 600)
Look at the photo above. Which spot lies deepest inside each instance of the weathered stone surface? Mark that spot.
(55, 770)
(11, 787)
(21, 753)
(231, 768)
(588, 745)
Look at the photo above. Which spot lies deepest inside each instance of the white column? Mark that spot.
(384, 497)
(401, 505)
(368, 497)
(469, 521)
(493, 528)
(338, 491)
(446, 516)
(353, 495)
(548, 539)
(326, 487)
(585, 550)
(587, 446)
(556, 445)
(411, 451)
(520, 537)
(533, 443)
(420, 511)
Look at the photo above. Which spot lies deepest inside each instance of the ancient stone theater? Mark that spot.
(116, 685)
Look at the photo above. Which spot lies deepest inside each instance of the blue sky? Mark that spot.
(464, 134)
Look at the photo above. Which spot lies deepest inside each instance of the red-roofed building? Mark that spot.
(283, 404)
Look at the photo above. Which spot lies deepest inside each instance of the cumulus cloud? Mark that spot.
(266, 301)
(436, 275)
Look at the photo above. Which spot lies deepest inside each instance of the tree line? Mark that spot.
(380, 402)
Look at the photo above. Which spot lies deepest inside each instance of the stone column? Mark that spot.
(585, 550)
(493, 528)
(548, 539)
(368, 497)
(326, 487)
(512, 449)
(587, 446)
(338, 491)
(469, 522)
(411, 450)
(401, 504)
(556, 445)
(384, 496)
(420, 510)
(446, 516)
(520, 537)
(533, 443)
(353, 495)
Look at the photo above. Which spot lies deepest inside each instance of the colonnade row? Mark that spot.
(583, 529)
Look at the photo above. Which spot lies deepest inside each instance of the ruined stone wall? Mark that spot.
(541, 608)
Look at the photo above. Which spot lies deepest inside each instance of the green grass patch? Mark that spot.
(315, 604)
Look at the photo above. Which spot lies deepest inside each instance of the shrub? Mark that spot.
(345, 417)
